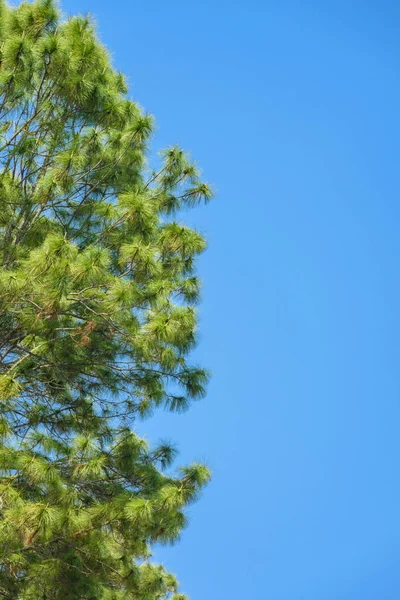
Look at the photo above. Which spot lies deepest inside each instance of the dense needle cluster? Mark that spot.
(97, 318)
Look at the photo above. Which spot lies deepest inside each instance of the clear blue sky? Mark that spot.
(292, 110)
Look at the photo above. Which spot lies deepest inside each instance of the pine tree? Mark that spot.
(98, 290)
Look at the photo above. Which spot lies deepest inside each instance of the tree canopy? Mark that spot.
(98, 290)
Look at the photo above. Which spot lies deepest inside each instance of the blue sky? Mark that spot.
(292, 110)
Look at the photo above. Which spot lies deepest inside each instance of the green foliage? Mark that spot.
(97, 319)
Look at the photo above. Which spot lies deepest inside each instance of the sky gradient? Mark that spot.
(292, 111)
